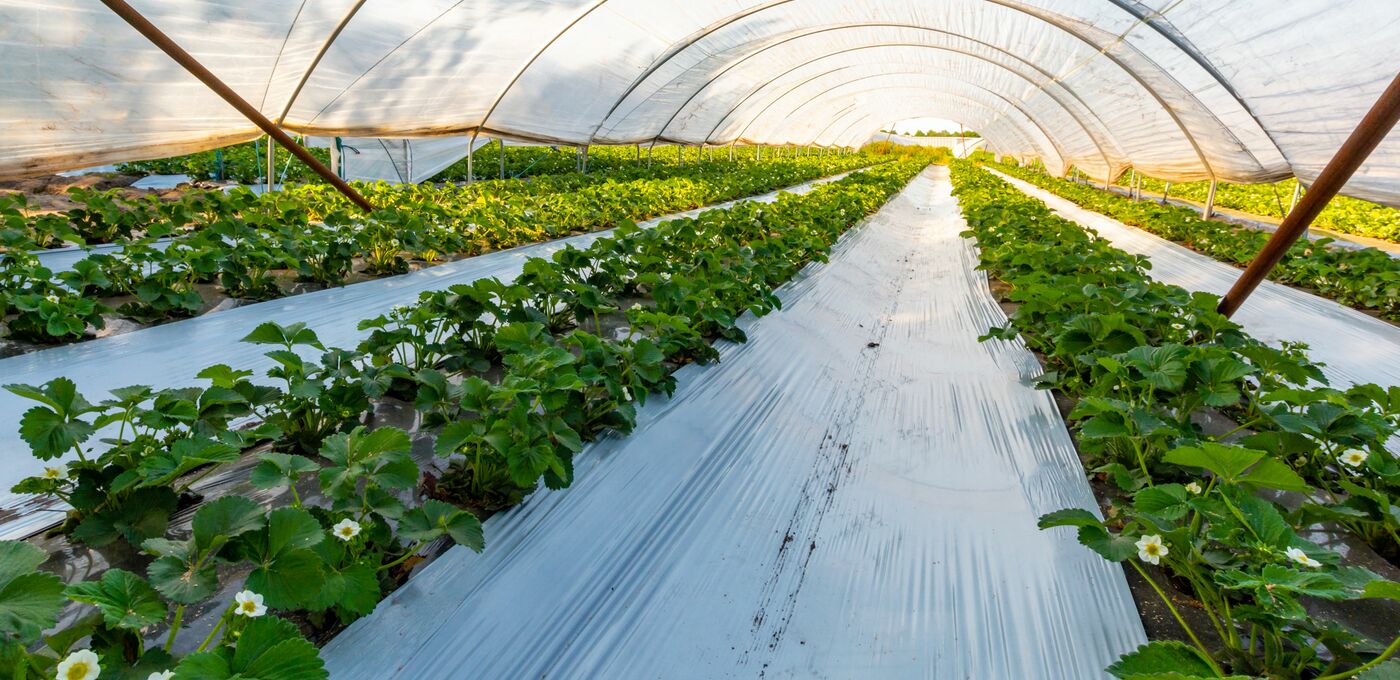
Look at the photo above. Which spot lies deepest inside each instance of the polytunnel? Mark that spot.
(996, 339)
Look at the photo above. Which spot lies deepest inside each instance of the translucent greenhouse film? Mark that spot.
(1179, 89)
(702, 339)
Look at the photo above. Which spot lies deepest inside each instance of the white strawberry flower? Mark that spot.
(1194, 488)
(58, 472)
(249, 604)
(1297, 555)
(163, 675)
(1354, 458)
(1151, 549)
(346, 529)
(80, 665)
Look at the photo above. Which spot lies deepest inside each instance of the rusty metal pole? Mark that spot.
(183, 58)
(1363, 140)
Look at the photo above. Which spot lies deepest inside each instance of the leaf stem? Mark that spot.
(1389, 651)
(1177, 615)
(402, 558)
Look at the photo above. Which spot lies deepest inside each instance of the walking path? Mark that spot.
(851, 494)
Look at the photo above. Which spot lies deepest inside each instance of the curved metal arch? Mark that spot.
(995, 131)
(1063, 27)
(1161, 102)
(976, 104)
(1159, 23)
(1050, 138)
(316, 61)
(531, 62)
(1108, 164)
(1105, 129)
(388, 54)
(989, 133)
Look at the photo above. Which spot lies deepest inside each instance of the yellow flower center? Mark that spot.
(77, 671)
(347, 531)
(249, 606)
(1152, 548)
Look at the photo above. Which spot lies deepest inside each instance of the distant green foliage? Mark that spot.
(1343, 214)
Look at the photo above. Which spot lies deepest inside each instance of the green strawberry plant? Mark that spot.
(1145, 362)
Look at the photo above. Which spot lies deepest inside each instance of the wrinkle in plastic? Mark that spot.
(1249, 90)
(851, 494)
(160, 356)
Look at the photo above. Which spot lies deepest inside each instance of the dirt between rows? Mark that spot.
(49, 193)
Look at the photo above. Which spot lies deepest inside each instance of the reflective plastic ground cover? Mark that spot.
(851, 494)
(1355, 348)
(170, 355)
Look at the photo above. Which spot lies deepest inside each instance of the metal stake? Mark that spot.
(1210, 200)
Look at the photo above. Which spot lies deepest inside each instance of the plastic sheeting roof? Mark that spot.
(1247, 90)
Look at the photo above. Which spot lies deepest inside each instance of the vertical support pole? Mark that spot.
(502, 149)
(471, 159)
(584, 158)
(639, 154)
(1368, 134)
(1165, 192)
(758, 152)
(1297, 193)
(649, 148)
(1210, 200)
(271, 163)
(731, 150)
(219, 164)
(335, 158)
(408, 156)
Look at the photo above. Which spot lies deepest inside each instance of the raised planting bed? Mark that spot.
(236, 247)
(1227, 466)
(1366, 279)
(357, 462)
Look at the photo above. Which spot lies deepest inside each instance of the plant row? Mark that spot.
(256, 248)
(1366, 279)
(1223, 512)
(508, 380)
(246, 164)
(1343, 214)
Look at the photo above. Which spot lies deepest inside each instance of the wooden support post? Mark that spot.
(502, 149)
(1368, 134)
(1210, 200)
(183, 58)
(471, 159)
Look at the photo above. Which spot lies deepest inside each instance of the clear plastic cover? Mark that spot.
(1249, 90)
